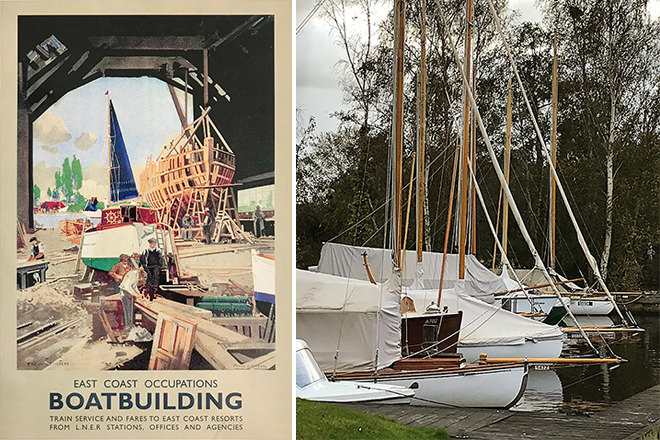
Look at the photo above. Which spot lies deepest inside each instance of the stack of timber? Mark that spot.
(221, 347)
(74, 226)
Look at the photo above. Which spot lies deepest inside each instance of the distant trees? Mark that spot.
(609, 134)
(68, 181)
(36, 192)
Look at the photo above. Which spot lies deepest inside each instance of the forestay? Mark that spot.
(359, 321)
(346, 261)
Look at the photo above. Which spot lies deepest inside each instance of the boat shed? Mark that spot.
(225, 61)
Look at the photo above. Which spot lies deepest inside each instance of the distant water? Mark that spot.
(53, 220)
(594, 387)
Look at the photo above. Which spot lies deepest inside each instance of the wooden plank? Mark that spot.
(214, 352)
(106, 326)
(265, 362)
(184, 308)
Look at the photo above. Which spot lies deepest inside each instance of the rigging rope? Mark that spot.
(498, 169)
(309, 16)
(560, 187)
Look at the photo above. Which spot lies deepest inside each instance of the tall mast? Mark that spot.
(109, 155)
(553, 186)
(507, 165)
(421, 147)
(397, 135)
(466, 143)
(473, 152)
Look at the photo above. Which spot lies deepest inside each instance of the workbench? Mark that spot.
(25, 271)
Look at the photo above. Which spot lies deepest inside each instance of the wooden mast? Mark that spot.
(473, 152)
(109, 155)
(399, 18)
(507, 166)
(448, 226)
(553, 186)
(421, 151)
(405, 234)
(466, 143)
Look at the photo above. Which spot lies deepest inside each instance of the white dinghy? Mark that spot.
(311, 384)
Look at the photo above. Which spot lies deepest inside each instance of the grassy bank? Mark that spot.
(315, 420)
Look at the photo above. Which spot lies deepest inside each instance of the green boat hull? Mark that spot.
(104, 264)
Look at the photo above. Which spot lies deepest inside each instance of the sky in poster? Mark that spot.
(78, 124)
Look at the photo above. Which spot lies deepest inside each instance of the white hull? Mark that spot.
(545, 348)
(591, 307)
(520, 304)
(354, 392)
(496, 388)
(311, 384)
(109, 243)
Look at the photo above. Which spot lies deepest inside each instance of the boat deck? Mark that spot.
(629, 419)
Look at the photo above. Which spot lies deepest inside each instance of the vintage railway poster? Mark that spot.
(151, 147)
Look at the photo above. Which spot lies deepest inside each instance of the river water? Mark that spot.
(51, 220)
(589, 388)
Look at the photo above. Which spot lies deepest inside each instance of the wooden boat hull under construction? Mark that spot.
(188, 174)
(467, 386)
(203, 169)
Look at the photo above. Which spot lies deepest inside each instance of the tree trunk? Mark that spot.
(609, 194)
(427, 213)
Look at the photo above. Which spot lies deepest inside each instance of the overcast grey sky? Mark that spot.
(318, 56)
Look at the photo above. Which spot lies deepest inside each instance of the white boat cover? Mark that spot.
(358, 321)
(346, 261)
(534, 277)
(485, 324)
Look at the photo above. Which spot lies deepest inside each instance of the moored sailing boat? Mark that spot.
(354, 327)
(124, 228)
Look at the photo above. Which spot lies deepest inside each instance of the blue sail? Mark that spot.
(122, 183)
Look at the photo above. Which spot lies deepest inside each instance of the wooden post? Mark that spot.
(185, 99)
(24, 152)
(421, 153)
(205, 55)
(466, 136)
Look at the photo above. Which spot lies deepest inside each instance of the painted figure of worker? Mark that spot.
(152, 262)
(120, 269)
(206, 223)
(128, 291)
(186, 223)
(38, 250)
(260, 222)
